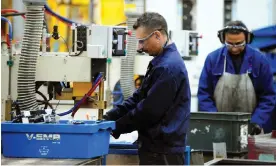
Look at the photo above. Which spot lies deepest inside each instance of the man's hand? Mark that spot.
(105, 117)
(256, 130)
(113, 133)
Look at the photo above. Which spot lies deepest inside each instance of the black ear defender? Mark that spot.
(248, 35)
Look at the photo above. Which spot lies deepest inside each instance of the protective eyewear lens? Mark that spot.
(235, 45)
(142, 41)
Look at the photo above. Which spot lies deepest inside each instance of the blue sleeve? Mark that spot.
(266, 96)
(151, 109)
(205, 88)
(122, 109)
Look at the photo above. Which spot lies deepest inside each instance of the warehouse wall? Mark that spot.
(209, 20)
(255, 13)
(171, 10)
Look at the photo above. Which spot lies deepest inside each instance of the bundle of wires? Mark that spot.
(3, 11)
(84, 98)
(47, 10)
(10, 29)
(59, 17)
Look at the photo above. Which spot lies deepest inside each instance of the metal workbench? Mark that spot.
(44, 161)
(127, 154)
(239, 162)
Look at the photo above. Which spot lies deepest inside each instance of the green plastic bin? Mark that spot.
(207, 128)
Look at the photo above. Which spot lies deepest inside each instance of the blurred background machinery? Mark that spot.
(63, 81)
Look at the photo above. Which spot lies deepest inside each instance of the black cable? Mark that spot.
(80, 51)
(3, 42)
(65, 44)
(68, 47)
(57, 105)
(13, 14)
(46, 102)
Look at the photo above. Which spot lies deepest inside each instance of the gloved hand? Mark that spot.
(115, 134)
(108, 117)
(256, 130)
(105, 117)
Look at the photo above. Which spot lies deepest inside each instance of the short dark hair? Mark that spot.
(237, 23)
(152, 21)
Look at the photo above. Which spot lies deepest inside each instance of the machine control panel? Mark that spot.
(186, 42)
(79, 42)
(119, 42)
(82, 38)
(98, 41)
(193, 43)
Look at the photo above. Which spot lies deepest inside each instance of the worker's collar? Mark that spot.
(247, 64)
(168, 48)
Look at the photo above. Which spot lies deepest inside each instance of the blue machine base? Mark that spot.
(60, 140)
(132, 149)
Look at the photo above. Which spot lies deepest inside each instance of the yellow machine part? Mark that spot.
(80, 2)
(81, 88)
(57, 45)
(112, 12)
(69, 11)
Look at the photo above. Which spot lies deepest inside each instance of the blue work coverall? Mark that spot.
(261, 76)
(160, 109)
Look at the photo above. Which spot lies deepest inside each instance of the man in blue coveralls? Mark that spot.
(237, 78)
(160, 109)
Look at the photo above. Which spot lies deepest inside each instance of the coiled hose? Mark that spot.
(28, 59)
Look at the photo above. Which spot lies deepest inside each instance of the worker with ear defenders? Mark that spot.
(237, 78)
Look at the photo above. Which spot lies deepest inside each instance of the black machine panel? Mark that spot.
(119, 42)
(81, 37)
(98, 66)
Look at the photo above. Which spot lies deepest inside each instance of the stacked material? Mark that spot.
(262, 147)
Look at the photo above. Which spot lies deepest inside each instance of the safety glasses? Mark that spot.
(141, 41)
(237, 45)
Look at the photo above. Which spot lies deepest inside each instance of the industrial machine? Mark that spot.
(186, 42)
(79, 74)
(92, 48)
(85, 65)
